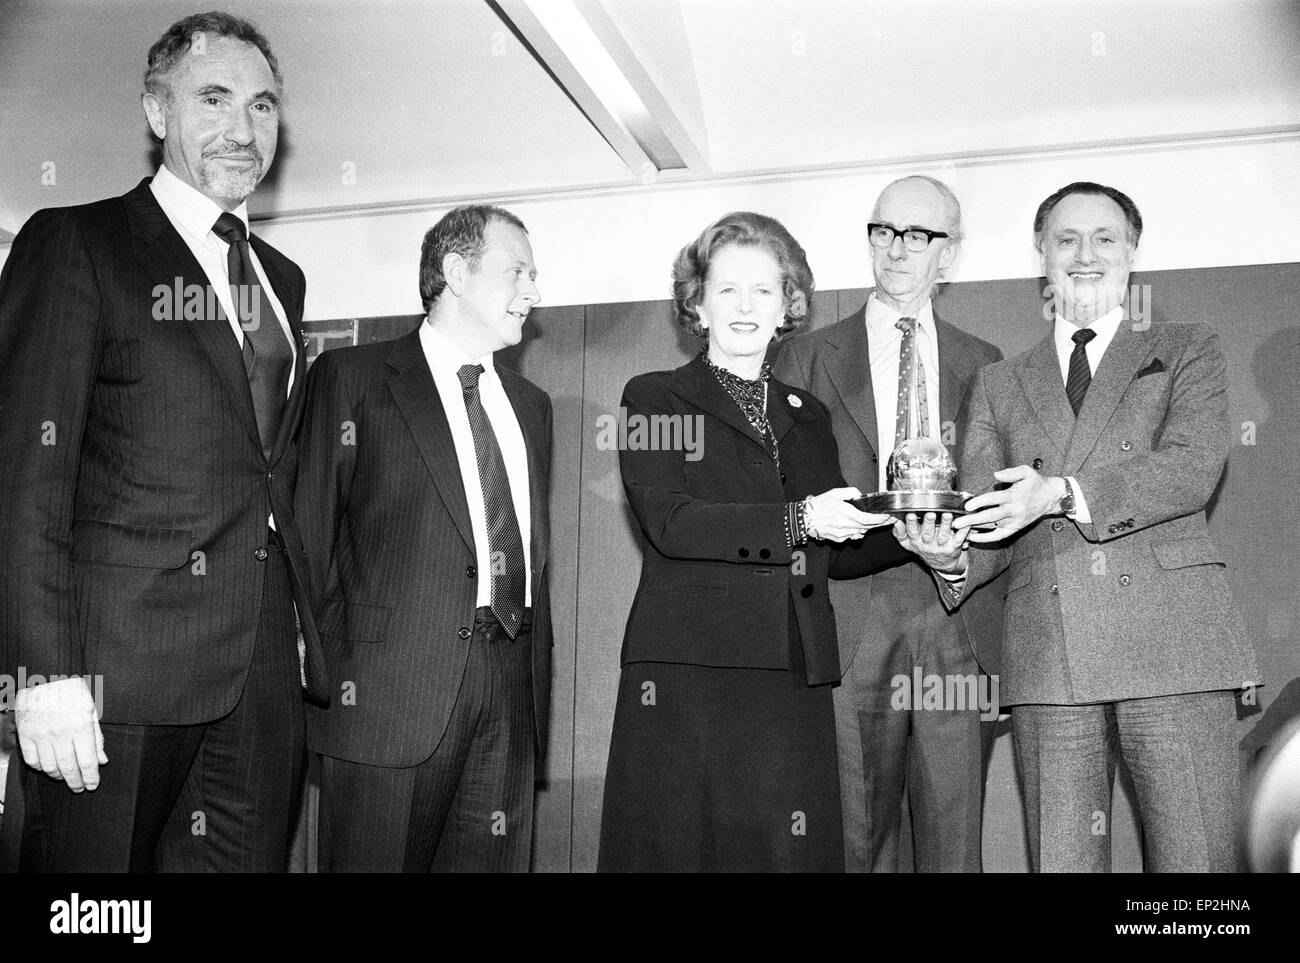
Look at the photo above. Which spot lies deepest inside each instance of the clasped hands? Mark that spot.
(940, 541)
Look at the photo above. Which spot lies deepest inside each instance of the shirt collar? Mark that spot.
(189, 207)
(881, 319)
(445, 357)
(1105, 328)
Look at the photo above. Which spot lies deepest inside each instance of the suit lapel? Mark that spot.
(417, 398)
(1040, 379)
(533, 428)
(954, 376)
(697, 384)
(849, 370)
(167, 260)
(1123, 358)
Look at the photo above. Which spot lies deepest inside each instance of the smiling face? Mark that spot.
(496, 296)
(743, 304)
(220, 124)
(905, 279)
(1087, 256)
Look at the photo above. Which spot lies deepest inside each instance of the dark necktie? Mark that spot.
(911, 386)
(1080, 375)
(268, 356)
(505, 546)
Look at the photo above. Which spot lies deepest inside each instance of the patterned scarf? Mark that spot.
(750, 397)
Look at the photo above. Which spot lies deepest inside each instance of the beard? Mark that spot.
(233, 184)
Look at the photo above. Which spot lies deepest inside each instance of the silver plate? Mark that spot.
(906, 502)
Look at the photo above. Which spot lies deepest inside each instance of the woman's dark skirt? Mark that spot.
(721, 770)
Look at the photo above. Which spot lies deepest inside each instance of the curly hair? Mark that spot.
(167, 52)
(691, 267)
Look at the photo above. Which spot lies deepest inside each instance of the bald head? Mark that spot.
(906, 279)
(919, 189)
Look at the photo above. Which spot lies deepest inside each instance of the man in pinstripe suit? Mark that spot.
(424, 488)
(150, 383)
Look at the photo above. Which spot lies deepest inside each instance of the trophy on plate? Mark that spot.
(920, 472)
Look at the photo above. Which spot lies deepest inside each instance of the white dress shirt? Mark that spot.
(193, 214)
(884, 344)
(445, 361)
(1105, 327)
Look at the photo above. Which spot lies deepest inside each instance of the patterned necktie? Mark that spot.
(268, 356)
(911, 386)
(505, 545)
(1080, 376)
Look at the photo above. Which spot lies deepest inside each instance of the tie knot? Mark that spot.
(905, 324)
(468, 375)
(230, 229)
(1083, 336)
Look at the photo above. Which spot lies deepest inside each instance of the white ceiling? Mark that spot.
(430, 100)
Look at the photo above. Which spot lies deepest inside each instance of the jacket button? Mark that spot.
(782, 478)
(874, 460)
(1058, 526)
(1055, 590)
(463, 632)
(744, 553)
(1125, 445)
(764, 553)
(806, 591)
(1124, 580)
(260, 554)
(1038, 464)
(1129, 523)
(470, 571)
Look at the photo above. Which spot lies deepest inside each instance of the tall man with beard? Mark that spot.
(146, 459)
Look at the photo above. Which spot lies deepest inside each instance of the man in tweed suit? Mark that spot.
(424, 490)
(892, 625)
(151, 381)
(1121, 636)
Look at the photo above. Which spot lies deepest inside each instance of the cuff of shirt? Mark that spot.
(1081, 513)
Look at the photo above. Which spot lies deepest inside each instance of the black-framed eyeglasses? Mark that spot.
(915, 239)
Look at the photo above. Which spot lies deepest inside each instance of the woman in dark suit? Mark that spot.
(723, 750)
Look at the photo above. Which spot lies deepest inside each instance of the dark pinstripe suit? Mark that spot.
(391, 553)
(137, 539)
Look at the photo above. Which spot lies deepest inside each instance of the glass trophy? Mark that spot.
(920, 472)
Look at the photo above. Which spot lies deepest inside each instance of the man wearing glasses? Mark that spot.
(893, 625)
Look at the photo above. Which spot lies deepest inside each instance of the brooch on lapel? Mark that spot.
(793, 401)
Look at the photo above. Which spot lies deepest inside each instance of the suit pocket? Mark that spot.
(102, 543)
(1184, 552)
(1020, 576)
(352, 621)
(366, 623)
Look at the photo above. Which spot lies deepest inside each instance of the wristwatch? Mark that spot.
(1067, 500)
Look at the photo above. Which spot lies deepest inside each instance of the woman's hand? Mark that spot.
(831, 518)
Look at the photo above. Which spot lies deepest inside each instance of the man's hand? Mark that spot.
(58, 732)
(831, 518)
(1030, 497)
(937, 544)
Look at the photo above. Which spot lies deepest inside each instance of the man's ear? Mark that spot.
(454, 271)
(156, 115)
(948, 254)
